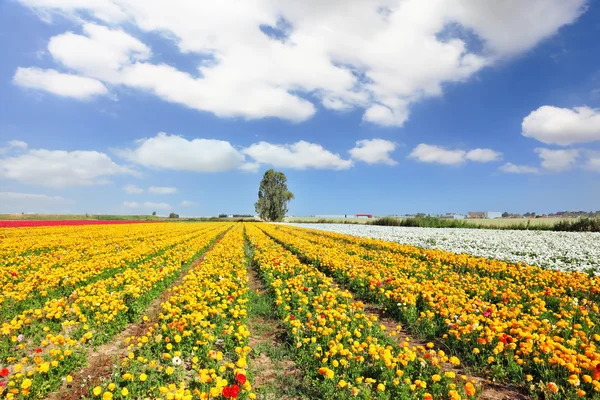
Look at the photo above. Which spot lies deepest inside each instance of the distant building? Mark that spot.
(364, 215)
(484, 214)
(476, 214)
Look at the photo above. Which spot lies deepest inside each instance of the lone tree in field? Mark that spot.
(273, 196)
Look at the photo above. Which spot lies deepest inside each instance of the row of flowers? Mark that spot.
(343, 351)
(493, 319)
(566, 251)
(198, 348)
(44, 263)
(40, 345)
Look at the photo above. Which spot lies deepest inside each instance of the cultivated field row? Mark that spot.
(165, 311)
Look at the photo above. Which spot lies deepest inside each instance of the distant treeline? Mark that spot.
(579, 225)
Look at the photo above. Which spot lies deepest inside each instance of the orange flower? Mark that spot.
(553, 387)
(470, 389)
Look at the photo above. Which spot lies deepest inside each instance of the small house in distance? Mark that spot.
(364, 215)
(484, 214)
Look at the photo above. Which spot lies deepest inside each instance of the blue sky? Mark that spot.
(384, 107)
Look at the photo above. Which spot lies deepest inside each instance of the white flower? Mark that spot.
(20, 338)
(177, 361)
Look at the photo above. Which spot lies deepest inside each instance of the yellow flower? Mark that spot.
(169, 370)
(107, 396)
(342, 383)
(124, 392)
(97, 391)
(26, 384)
(143, 377)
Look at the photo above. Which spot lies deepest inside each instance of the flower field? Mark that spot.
(566, 251)
(170, 305)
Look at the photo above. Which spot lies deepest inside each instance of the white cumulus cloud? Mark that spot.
(187, 203)
(299, 155)
(147, 205)
(13, 145)
(58, 83)
(162, 190)
(483, 155)
(557, 160)
(374, 151)
(174, 152)
(563, 126)
(262, 58)
(58, 168)
(133, 189)
(511, 168)
(439, 155)
(12, 202)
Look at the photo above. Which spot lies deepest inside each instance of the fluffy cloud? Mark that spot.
(593, 162)
(435, 154)
(374, 151)
(162, 190)
(187, 203)
(511, 168)
(377, 56)
(132, 189)
(12, 145)
(147, 205)
(300, 155)
(11, 202)
(557, 160)
(52, 81)
(483, 155)
(57, 168)
(563, 126)
(174, 152)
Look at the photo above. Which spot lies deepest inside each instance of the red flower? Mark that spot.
(38, 350)
(235, 391)
(379, 283)
(305, 289)
(505, 301)
(240, 378)
(388, 280)
(598, 367)
(226, 392)
(4, 372)
(231, 392)
(13, 273)
(292, 317)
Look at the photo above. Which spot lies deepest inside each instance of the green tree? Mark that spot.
(273, 196)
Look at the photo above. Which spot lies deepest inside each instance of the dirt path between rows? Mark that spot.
(274, 375)
(100, 361)
(489, 390)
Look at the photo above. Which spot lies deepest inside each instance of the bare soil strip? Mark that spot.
(275, 376)
(100, 361)
(489, 390)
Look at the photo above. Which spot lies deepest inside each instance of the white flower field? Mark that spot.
(567, 251)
